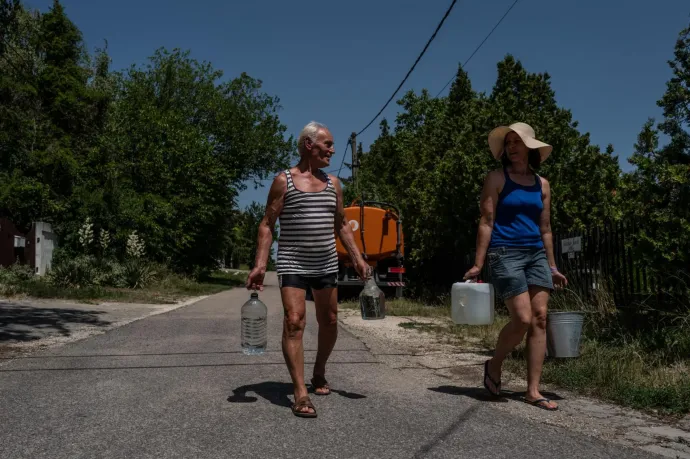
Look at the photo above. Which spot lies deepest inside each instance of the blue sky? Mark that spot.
(338, 62)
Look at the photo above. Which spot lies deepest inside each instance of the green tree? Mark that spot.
(433, 165)
(182, 143)
(162, 150)
(48, 117)
(246, 233)
(656, 195)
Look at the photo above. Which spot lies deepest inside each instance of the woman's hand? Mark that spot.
(559, 280)
(473, 273)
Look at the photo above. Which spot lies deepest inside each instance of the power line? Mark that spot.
(480, 45)
(344, 155)
(438, 27)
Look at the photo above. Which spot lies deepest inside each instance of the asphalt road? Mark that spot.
(176, 385)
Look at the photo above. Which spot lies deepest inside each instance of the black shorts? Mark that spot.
(306, 282)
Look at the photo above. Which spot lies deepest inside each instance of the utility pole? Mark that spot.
(355, 160)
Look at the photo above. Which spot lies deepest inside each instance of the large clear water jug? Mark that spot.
(254, 321)
(372, 301)
(472, 303)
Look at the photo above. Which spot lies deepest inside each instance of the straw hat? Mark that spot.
(526, 133)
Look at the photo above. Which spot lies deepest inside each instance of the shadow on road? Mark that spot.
(25, 323)
(277, 393)
(479, 393)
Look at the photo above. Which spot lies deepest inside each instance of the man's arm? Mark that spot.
(342, 227)
(274, 205)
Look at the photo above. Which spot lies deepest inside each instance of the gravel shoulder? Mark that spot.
(404, 347)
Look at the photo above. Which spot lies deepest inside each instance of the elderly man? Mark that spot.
(309, 204)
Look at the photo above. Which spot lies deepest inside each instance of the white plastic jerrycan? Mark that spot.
(472, 303)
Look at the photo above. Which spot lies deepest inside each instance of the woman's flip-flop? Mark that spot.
(538, 403)
(497, 385)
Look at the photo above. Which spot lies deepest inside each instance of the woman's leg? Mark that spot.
(511, 335)
(536, 344)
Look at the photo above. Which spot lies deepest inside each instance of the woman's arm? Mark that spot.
(487, 206)
(546, 235)
(545, 223)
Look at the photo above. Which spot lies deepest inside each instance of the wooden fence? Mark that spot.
(603, 259)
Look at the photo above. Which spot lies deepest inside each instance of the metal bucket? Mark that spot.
(563, 332)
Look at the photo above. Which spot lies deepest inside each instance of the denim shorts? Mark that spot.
(514, 269)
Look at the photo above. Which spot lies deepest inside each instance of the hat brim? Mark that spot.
(497, 143)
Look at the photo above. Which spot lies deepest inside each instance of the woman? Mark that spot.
(515, 235)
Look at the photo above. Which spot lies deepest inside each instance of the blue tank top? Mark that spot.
(518, 213)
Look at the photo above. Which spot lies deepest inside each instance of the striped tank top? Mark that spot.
(306, 243)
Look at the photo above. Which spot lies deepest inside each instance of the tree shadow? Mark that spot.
(480, 394)
(277, 393)
(25, 323)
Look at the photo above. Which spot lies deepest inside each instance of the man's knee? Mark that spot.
(328, 319)
(294, 324)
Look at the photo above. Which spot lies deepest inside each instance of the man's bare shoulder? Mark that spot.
(335, 181)
(280, 179)
(278, 186)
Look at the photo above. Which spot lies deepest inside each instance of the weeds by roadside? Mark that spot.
(166, 287)
(649, 371)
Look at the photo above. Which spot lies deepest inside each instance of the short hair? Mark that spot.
(533, 159)
(310, 131)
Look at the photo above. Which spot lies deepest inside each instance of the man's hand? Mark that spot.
(363, 270)
(255, 280)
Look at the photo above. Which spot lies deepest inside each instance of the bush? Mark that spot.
(12, 278)
(86, 271)
(137, 273)
(109, 273)
(15, 274)
(78, 272)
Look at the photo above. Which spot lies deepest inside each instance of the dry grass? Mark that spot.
(624, 370)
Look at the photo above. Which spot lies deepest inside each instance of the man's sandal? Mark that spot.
(301, 403)
(320, 383)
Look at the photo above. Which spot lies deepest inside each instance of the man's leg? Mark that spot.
(293, 328)
(326, 302)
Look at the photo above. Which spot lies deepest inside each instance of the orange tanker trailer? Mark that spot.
(377, 228)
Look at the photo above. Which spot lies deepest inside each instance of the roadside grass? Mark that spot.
(633, 371)
(167, 290)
